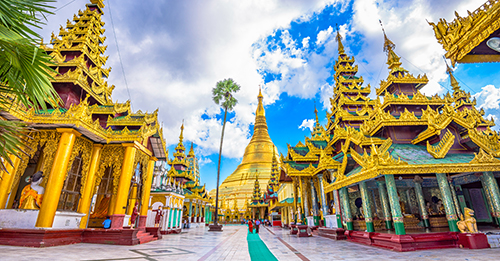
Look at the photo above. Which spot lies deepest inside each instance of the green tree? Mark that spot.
(24, 70)
(222, 95)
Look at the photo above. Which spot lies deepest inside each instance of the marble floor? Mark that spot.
(199, 244)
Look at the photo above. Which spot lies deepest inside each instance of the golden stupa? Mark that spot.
(258, 158)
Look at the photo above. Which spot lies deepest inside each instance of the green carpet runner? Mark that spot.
(257, 249)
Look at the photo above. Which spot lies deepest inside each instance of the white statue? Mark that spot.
(299, 215)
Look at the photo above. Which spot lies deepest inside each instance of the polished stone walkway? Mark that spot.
(199, 244)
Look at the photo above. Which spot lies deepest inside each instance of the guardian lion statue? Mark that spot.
(467, 225)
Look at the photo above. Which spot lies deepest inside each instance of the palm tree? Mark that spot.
(24, 70)
(222, 95)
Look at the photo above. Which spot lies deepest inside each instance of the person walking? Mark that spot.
(257, 225)
(250, 226)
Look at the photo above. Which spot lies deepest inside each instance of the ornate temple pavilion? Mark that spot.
(235, 193)
(97, 156)
(195, 208)
(404, 162)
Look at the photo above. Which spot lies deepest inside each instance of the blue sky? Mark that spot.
(173, 53)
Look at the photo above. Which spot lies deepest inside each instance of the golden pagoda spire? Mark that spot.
(181, 137)
(257, 157)
(392, 57)
(260, 127)
(191, 151)
(260, 108)
(316, 113)
(339, 40)
(179, 150)
(453, 81)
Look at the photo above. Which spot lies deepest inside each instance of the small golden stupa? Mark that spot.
(257, 160)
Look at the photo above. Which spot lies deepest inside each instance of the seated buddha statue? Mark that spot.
(440, 207)
(32, 194)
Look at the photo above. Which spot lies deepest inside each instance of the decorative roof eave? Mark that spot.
(135, 119)
(394, 123)
(419, 82)
(463, 34)
(417, 99)
(292, 172)
(486, 143)
(79, 117)
(111, 109)
(371, 173)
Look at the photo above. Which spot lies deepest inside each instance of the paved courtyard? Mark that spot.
(199, 244)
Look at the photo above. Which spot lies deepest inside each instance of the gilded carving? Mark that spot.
(111, 157)
(49, 141)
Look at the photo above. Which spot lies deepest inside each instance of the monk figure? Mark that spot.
(135, 213)
(101, 210)
(32, 194)
(158, 216)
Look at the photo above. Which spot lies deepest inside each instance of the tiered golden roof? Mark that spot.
(406, 134)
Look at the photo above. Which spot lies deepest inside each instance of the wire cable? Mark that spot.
(63, 6)
(446, 88)
(119, 55)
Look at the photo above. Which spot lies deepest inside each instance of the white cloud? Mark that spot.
(307, 124)
(492, 116)
(488, 97)
(203, 161)
(305, 42)
(323, 36)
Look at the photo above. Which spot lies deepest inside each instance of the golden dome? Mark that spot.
(258, 159)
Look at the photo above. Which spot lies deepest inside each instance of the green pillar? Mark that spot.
(491, 183)
(449, 206)
(314, 203)
(346, 209)
(421, 202)
(338, 213)
(392, 192)
(385, 204)
(489, 200)
(367, 207)
(324, 205)
(455, 198)
(174, 219)
(190, 209)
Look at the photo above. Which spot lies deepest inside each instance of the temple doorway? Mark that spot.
(102, 200)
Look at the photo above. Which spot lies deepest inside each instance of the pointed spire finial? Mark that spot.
(260, 106)
(191, 151)
(316, 113)
(453, 81)
(181, 137)
(388, 44)
(339, 40)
